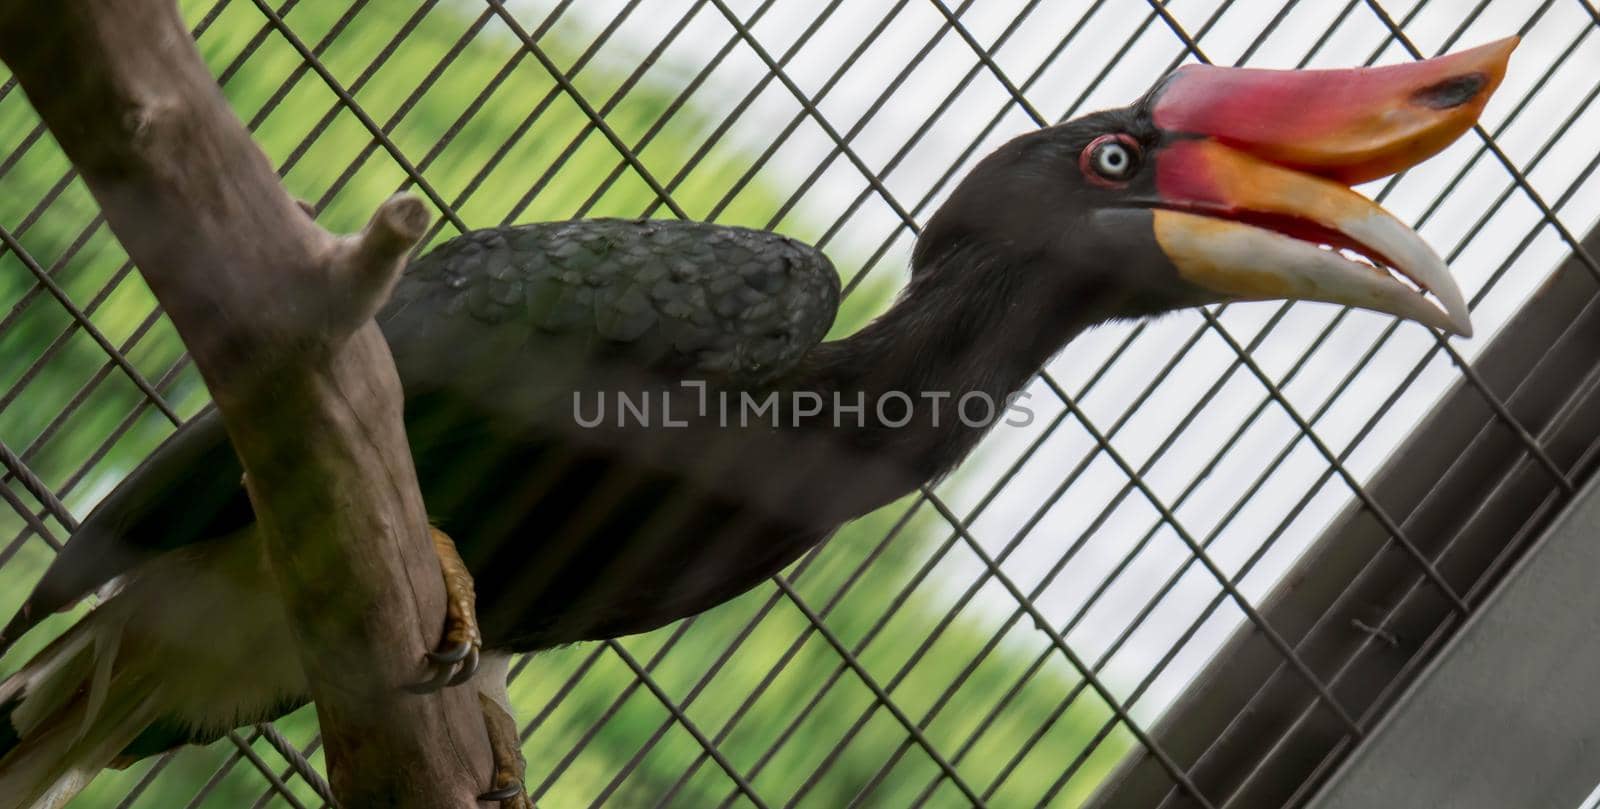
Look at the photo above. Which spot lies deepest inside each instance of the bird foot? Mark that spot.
(510, 796)
(509, 766)
(456, 658)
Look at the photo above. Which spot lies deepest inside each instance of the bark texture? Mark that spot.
(278, 316)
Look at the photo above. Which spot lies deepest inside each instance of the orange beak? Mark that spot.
(1254, 198)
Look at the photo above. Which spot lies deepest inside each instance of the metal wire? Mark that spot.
(881, 192)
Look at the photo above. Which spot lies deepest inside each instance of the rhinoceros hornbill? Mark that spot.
(623, 423)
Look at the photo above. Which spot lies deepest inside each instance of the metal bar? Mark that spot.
(1060, 489)
(83, 321)
(1567, 195)
(1350, 480)
(1500, 361)
(1543, 749)
(684, 721)
(1103, 366)
(751, 625)
(144, 782)
(222, 770)
(298, 761)
(276, 783)
(882, 96)
(1474, 514)
(1578, 249)
(1540, 439)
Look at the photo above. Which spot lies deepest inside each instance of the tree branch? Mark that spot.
(278, 316)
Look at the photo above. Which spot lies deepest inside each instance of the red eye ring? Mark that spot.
(1109, 161)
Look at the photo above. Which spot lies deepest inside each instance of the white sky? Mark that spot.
(1058, 85)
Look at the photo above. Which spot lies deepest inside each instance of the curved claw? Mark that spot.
(452, 667)
(456, 658)
(468, 668)
(504, 793)
(454, 654)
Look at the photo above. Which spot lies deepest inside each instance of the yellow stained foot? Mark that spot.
(456, 659)
(509, 766)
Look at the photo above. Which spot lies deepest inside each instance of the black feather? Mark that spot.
(491, 333)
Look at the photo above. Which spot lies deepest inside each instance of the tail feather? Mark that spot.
(106, 644)
(66, 715)
(48, 682)
(182, 651)
(58, 761)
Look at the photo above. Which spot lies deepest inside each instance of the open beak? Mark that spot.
(1253, 186)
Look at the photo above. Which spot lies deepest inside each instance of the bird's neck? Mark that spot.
(957, 346)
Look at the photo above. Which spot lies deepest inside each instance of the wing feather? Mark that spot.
(530, 308)
(727, 303)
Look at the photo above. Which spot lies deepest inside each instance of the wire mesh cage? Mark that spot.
(1009, 637)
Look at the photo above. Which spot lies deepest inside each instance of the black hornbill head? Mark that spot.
(1226, 184)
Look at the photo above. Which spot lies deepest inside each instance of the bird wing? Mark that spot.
(512, 314)
(189, 489)
(670, 298)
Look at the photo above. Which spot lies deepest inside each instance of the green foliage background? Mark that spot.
(67, 401)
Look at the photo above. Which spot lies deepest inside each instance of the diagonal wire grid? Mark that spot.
(1004, 638)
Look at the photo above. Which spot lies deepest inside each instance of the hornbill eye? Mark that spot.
(1110, 159)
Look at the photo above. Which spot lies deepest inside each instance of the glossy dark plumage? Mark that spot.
(574, 533)
(679, 297)
(492, 332)
(580, 521)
